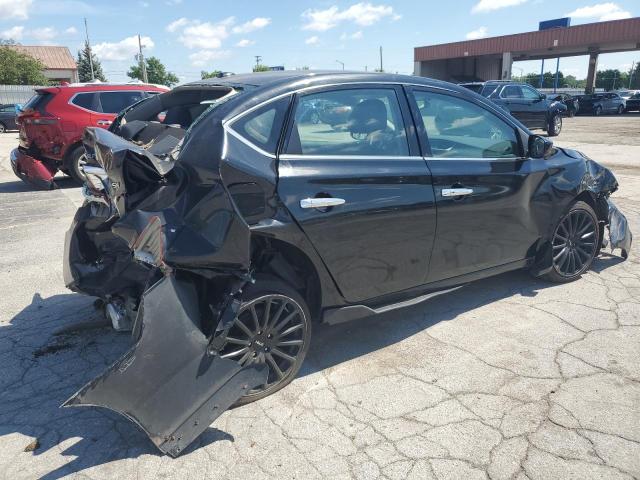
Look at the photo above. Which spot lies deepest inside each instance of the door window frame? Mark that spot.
(423, 136)
(405, 113)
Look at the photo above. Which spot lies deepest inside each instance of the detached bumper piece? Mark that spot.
(167, 383)
(619, 234)
(35, 172)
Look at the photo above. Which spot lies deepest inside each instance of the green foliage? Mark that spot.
(212, 74)
(156, 72)
(84, 66)
(533, 79)
(635, 77)
(261, 68)
(20, 69)
(611, 79)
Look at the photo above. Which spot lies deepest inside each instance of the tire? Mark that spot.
(3, 128)
(262, 345)
(598, 111)
(555, 125)
(620, 110)
(72, 165)
(574, 244)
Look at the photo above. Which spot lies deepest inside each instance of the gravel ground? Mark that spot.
(508, 378)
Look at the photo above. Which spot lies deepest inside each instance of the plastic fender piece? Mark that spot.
(33, 171)
(167, 383)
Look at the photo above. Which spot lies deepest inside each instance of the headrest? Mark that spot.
(368, 116)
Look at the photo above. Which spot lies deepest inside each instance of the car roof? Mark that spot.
(98, 87)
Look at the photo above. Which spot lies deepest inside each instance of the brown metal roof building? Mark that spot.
(60, 66)
(492, 58)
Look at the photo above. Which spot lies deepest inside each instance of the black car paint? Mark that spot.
(632, 103)
(534, 113)
(8, 116)
(572, 103)
(601, 103)
(190, 224)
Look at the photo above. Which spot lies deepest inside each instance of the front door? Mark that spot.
(355, 182)
(483, 184)
(536, 106)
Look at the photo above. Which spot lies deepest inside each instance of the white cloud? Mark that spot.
(245, 43)
(477, 33)
(205, 35)
(15, 9)
(177, 24)
(354, 36)
(14, 33)
(203, 57)
(601, 11)
(489, 5)
(44, 34)
(122, 50)
(255, 24)
(312, 40)
(71, 31)
(364, 14)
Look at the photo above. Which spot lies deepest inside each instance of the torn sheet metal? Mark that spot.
(619, 234)
(33, 171)
(167, 383)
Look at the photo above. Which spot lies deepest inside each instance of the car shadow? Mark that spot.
(42, 368)
(18, 186)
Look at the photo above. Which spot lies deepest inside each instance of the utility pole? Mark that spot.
(381, 69)
(341, 63)
(258, 60)
(143, 64)
(86, 32)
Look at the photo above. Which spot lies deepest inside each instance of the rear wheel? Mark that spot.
(574, 244)
(598, 111)
(555, 125)
(3, 128)
(77, 158)
(273, 326)
(620, 109)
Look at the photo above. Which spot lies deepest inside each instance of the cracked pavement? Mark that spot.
(507, 378)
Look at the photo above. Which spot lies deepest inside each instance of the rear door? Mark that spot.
(536, 107)
(360, 190)
(111, 103)
(512, 98)
(482, 182)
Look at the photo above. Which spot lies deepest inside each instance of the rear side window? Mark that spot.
(263, 126)
(457, 128)
(85, 100)
(512, 91)
(114, 102)
(362, 121)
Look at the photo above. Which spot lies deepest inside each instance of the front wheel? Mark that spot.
(620, 109)
(555, 125)
(574, 244)
(598, 111)
(273, 326)
(2, 128)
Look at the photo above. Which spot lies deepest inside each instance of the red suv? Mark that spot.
(52, 122)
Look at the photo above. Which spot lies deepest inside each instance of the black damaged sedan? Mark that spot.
(220, 222)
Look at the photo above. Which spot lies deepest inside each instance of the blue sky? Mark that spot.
(191, 35)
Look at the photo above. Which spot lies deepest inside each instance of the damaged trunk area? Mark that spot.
(170, 258)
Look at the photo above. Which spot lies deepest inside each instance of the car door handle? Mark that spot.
(456, 192)
(104, 123)
(321, 202)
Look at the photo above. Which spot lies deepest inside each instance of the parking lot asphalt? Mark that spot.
(508, 378)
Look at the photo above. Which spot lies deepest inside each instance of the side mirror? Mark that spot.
(539, 146)
(543, 96)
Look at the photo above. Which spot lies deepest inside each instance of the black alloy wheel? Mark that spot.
(2, 128)
(620, 109)
(555, 125)
(273, 326)
(598, 111)
(575, 243)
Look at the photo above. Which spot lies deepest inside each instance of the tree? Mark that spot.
(634, 77)
(17, 68)
(261, 68)
(84, 66)
(156, 72)
(212, 74)
(611, 79)
(548, 79)
(8, 41)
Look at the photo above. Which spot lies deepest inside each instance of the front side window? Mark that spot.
(457, 128)
(358, 121)
(115, 102)
(530, 93)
